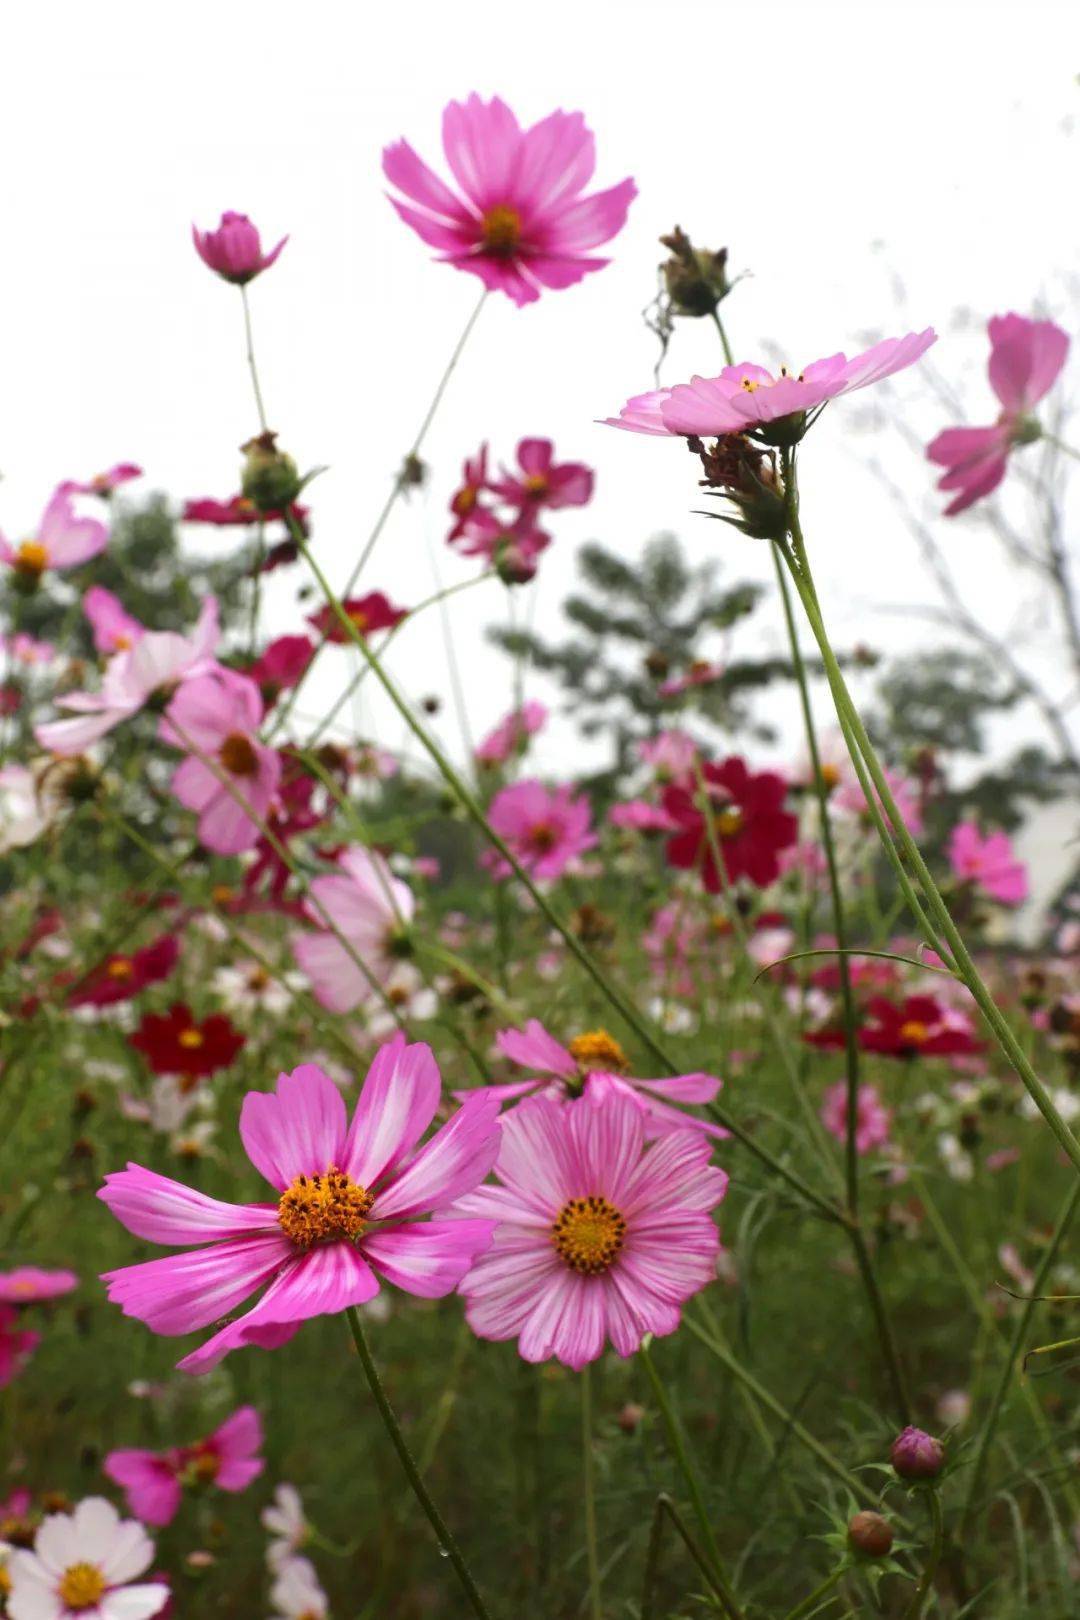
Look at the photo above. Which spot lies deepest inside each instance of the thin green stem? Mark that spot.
(809, 1604)
(718, 323)
(412, 1473)
(252, 368)
(588, 1464)
(925, 1586)
(665, 1509)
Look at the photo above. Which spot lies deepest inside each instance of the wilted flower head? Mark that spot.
(520, 222)
(234, 250)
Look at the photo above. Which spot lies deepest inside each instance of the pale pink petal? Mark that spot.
(182, 1292)
(165, 1211)
(534, 1048)
(456, 1160)
(298, 1130)
(428, 1258)
(396, 1105)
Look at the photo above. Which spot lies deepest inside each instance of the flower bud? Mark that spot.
(870, 1535)
(269, 480)
(917, 1455)
(630, 1416)
(234, 250)
(695, 278)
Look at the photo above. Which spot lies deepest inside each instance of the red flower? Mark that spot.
(291, 815)
(918, 1027)
(368, 613)
(176, 1043)
(120, 977)
(281, 665)
(748, 818)
(237, 511)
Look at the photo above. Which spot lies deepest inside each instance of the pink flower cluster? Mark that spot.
(498, 518)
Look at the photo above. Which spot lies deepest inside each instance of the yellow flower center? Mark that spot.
(588, 1235)
(258, 979)
(359, 619)
(5, 1581)
(728, 821)
(502, 230)
(914, 1032)
(82, 1587)
(536, 484)
(221, 894)
(202, 1468)
(192, 1039)
(238, 755)
(597, 1050)
(464, 500)
(121, 967)
(323, 1209)
(830, 776)
(121, 642)
(31, 558)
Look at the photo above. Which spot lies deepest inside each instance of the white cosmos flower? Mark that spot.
(248, 986)
(83, 1564)
(296, 1594)
(23, 813)
(285, 1521)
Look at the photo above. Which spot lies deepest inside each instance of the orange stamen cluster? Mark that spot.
(31, 559)
(914, 1032)
(588, 1235)
(323, 1209)
(502, 230)
(597, 1051)
(82, 1586)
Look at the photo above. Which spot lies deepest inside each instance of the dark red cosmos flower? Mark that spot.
(290, 815)
(119, 977)
(177, 1043)
(748, 818)
(368, 613)
(236, 512)
(281, 665)
(918, 1027)
(474, 480)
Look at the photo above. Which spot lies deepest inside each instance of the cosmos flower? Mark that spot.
(238, 512)
(366, 614)
(114, 628)
(371, 910)
(29, 1285)
(746, 397)
(120, 977)
(105, 483)
(987, 862)
(512, 546)
(347, 1204)
(24, 811)
(748, 819)
(474, 480)
(296, 1594)
(512, 734)
(848, 796)
(27, 649)
(919, 1027)
(542, 481)
(872, 1119)
(598, 1238)
(229, 776)
(234, 250)
(520, 222)
(63, 540)
(85, 1563)
(153, 1481)
(595, 1066)
(545, 828)
(281, 665)
(670, 754)
(177, 1043)
(287, 1524)
(1026, 358)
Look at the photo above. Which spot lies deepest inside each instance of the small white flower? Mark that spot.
(672, 1017)
(82, 1564)
(288, 1527)
(406, 991)
(247, 986)
(296, 1594)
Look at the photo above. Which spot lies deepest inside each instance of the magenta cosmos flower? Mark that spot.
(17, 1344)
(989, 863)
(872, 1118)
(63, 540)
(520, 222)
(746, 397)
(229, 777)
(511, 735)
(1026, 358)
(542, 481)
(154, 1481)
(598, 1238)
(29, 1285)
(595, 1066)
(348, 1203)
(545, 828)
(234, 250)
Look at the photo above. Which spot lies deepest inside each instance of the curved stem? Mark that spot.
(589, 1479)
(446, 1541)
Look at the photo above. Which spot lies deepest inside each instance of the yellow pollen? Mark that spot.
(82, 1586)
(323, 1209)
(750, 385)
(203, 1468)
(588, 1235)
(238, 755)
(191, 1038)
(31, 558)
(464, 500)
(258, 979)
(5, 1581)
(914, 1032)
(359, 619)
(597, 1051)
(536, 484)
(728, 821)
(502, 230)
(121, 967)
(221, 894)
(830, 775)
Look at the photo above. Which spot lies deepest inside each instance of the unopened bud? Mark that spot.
(695, 278)
(917, 1455)
(269, 479)
(870, 1535)
(630, 1417)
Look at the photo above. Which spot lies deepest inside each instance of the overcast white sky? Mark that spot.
(828, 145)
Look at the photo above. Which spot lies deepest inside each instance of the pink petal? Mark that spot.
(534, 1048)
(152, 1489)
(482, 143)
(298, 1130)
(428, 1258)
(182, 1292)
(456, 1160)
(584, 224)
(396, 1105)
(165, 1211)
(409, 173)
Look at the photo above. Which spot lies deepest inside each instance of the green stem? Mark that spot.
(589, 1475)
(922, 1591)
(446, 1541)
(809, 1604)
(718, 323)
(677, 1442)
(666, 1509)
(252, 368)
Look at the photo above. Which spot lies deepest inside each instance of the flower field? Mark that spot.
(633, 1178)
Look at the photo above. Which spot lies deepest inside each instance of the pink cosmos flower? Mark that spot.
(700, 673)
(546, 828)
(347, 1202)
(159, 661)
(638, 815)
(671, 754)
(229, 776)
(114, 628)
(29, 1285)
(17, 1344)
(544, 482)
(595, 1066)
(872, 1119)
(598, 1238)
(63, 540)
(474, 480)
(521, 223)
(83, 1564)
(512, 547)
(989, 863)
(849, 796)
(1026, 358)
(153, 1481)
(512, 734)
(26, 649)
(371, 909)
(234, 250)
(105, 483)
(746, 397)
(281, 665)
